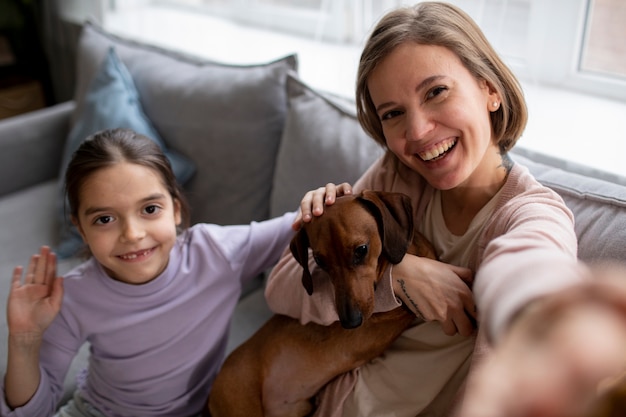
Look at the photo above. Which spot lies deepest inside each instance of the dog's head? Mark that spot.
(353, 241)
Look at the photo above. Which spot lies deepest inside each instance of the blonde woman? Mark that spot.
(434, 93)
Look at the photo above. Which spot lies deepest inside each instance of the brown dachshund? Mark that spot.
(280, 369)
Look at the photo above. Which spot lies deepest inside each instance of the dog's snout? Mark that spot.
(351, 319)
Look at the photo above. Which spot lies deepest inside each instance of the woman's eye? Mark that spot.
(437, 91)
(153, 209)
(103, 220)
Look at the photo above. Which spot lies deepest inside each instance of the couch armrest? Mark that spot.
(31, 146)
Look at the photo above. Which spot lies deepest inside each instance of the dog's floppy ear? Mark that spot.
(300, 250)
(394, 215)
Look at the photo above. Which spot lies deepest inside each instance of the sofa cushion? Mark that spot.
(228, 119)
(599, 206)
(322, 142)
(112, 101)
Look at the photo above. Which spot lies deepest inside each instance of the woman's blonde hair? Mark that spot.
(442, 24)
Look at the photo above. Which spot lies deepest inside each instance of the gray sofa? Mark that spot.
(258, 138)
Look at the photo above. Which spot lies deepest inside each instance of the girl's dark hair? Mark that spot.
(442, 24)
(110, 147)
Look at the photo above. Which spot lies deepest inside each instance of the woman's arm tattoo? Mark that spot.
(416, 309)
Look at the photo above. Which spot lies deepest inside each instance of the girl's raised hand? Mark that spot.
(313, 202)
(35, 300)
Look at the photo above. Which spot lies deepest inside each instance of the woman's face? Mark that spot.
(435, 116)
(128, 219)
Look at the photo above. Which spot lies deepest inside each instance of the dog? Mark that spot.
(280, 369)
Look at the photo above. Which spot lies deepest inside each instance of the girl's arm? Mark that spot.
(32, 305)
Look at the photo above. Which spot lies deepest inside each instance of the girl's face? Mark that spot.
(435, 116)
(128, 219)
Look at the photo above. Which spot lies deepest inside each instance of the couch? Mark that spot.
(257, 138)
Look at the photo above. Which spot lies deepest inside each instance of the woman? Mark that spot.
(435, 94)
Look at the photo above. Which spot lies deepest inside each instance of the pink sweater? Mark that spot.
(527, 249)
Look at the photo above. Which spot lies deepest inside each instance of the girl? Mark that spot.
(154, 304)
(435, 94)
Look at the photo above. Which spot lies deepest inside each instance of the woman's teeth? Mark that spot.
(438, 150)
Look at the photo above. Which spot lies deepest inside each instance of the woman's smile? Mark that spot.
(438, 151)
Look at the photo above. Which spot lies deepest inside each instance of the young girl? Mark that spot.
(435, 94)
(154, 304)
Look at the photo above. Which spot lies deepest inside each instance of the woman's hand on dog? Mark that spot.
(436, 291)
(313, 202)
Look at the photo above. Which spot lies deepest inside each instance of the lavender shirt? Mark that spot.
(156, 347)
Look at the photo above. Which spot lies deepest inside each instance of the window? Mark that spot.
(574, 44)
(604, 46)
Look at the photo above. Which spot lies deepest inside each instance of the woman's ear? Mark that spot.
(494, 100)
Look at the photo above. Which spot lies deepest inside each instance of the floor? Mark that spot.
(581, 128)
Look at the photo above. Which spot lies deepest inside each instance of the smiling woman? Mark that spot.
(432, 90)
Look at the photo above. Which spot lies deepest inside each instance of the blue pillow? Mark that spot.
(112, 101)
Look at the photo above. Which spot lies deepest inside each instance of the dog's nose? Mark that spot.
(351, 318)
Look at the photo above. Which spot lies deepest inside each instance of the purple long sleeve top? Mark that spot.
(156, 347)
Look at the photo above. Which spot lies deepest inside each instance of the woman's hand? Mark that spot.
(558, 357)
(437, 291)
(313, 202)
(34, 302)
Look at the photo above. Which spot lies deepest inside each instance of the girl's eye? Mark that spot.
(152, 209)
(437, 91)
(103, 220)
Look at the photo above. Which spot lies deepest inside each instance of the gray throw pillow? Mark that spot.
(322, 142)
(228, 119)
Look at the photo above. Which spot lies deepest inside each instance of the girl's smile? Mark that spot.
(128, 219)
(137, 256)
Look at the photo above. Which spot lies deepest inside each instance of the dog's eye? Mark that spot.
(360, 252)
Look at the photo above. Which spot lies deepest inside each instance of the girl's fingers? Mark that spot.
(41, 273)
(41, 268)
(305, 207)
(30, 272)
(344, 189)
(330, 193)
(51, 268)
(313, 202)
(16, 280)
(320, 198)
